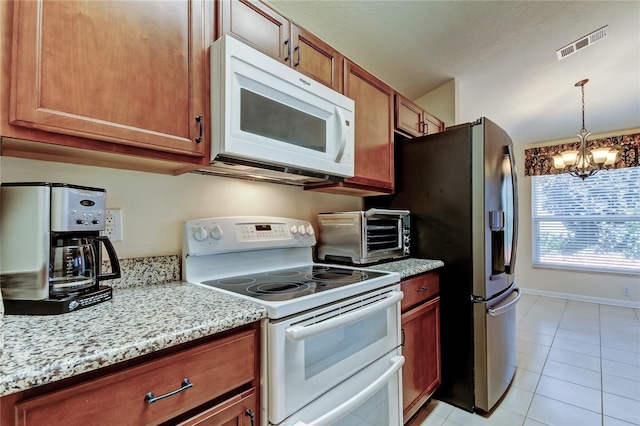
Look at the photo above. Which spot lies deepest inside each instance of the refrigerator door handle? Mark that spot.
(510, 268)
(504, 308)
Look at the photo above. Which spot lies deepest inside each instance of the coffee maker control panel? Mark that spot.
(77, 209)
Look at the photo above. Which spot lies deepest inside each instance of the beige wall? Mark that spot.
(441, 102)
(154, 206)
(583, 285)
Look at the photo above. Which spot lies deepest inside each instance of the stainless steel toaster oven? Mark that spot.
(363, 237)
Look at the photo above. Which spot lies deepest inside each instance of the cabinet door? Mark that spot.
(237, 411)
(431, 124)
(125, 72)
(421, 370)
(412, 120)
(315, 58)
(408, 117)
(374, 128)
(258, 26)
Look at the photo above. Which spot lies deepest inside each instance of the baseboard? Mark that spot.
(579, 298)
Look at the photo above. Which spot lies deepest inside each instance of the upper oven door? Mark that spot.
(311, 353)
(266, 112)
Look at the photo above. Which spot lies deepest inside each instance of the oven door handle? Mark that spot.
(351, 404)
(301, 332)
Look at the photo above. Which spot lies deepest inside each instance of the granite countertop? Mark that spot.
(137, 321)
(409, 267)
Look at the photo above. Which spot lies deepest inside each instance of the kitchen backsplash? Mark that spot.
(141, 271)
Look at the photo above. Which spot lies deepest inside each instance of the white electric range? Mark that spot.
(331, 344)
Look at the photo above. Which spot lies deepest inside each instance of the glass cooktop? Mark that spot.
(286, 284)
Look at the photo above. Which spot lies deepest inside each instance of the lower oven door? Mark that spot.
(371, 397)
(313, 352)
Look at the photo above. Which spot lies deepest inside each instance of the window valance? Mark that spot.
(539, 161)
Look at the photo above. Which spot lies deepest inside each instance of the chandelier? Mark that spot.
(582, 162)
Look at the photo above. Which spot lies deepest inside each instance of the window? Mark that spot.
(591, 224)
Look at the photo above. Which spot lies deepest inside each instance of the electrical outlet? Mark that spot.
(626, 291)
(113, 224)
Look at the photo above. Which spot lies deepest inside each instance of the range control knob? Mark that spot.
(301, 230)
(310, 230)
(217, 232)
(200, 233)
(294, 230)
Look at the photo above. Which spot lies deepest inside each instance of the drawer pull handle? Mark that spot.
(422, 289)
(150, 398)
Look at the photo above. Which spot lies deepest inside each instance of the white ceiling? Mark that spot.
(502, 55)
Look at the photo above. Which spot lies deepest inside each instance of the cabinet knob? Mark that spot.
(422, 289)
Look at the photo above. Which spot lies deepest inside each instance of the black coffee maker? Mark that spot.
(50, 248)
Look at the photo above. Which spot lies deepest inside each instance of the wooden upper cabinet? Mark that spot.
(412, 120)
(264, 29)
(258, 26)
(131, 73)
(374, 129)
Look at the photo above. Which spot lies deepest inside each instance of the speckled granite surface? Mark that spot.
(143, 271)
(137, 321)
(151, 310)
(409, 267)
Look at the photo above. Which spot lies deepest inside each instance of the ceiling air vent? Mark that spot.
(582, 42)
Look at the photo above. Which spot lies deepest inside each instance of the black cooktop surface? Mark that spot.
(286, 284)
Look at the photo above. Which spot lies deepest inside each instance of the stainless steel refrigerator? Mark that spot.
(460, 187)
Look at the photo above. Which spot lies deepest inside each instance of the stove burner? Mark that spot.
(278, 291)
(283, 273)
(339, 275)
(278, 288)
(236, 281)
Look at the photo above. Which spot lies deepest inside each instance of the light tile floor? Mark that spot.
(577, 364)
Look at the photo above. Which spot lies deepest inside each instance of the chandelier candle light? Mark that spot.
(582, 162)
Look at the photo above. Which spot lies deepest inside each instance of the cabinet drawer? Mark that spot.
(119, 399)
(419, 288)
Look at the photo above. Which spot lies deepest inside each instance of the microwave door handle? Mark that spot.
(301, 332)
(349, 405)
(342, 135)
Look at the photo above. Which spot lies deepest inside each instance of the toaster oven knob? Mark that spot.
(200, 234)
(301, 230)
(217, 232)
(310, 230)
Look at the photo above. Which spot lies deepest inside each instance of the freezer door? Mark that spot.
(494, 348)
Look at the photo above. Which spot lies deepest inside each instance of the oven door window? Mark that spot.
(315, 352)
(324, 351)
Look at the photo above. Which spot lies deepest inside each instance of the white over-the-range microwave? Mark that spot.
(270, 122)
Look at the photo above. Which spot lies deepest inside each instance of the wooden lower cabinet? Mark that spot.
(421, 336)
(213, 383)
(237, 411)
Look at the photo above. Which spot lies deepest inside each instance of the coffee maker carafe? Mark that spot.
(50, 253)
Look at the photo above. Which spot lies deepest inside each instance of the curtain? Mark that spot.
(539, 161)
